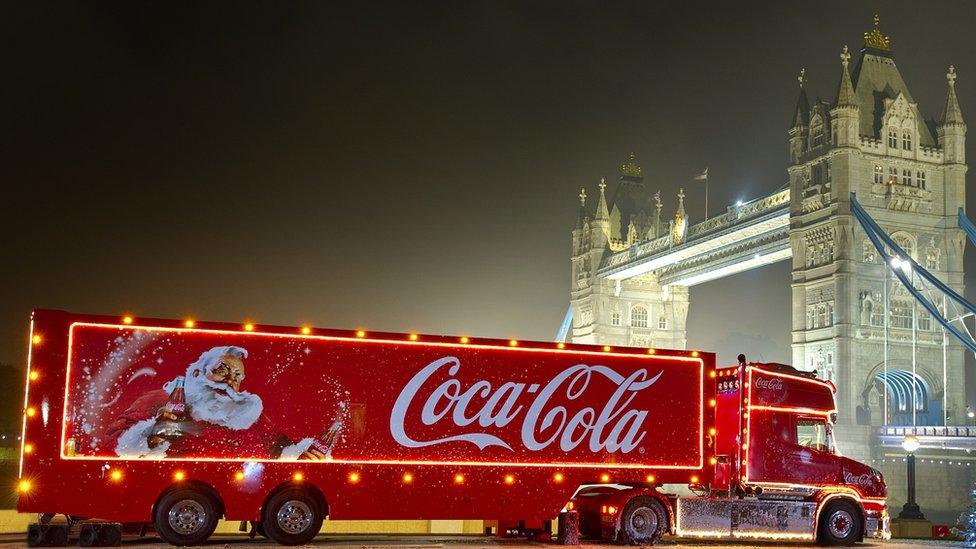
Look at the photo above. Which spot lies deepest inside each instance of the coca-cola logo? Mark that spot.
(773, 384)
(864, 479)
(470, 412)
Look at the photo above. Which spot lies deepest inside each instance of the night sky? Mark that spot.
(402, 166)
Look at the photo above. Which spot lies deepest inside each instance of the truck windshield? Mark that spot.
(813, 433)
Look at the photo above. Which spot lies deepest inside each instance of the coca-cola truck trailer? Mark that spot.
(176, 424)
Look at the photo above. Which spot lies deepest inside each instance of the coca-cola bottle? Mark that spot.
(326, 440)
(168, 427)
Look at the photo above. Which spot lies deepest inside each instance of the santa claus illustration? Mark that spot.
(212, 417)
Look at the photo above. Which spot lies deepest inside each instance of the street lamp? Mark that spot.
(911, 510)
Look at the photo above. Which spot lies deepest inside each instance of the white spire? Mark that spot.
(602, 213)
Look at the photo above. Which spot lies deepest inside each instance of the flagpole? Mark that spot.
(706, 195)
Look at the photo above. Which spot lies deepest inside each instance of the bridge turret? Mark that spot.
(601, 221)
(801, 121)
(952, 128)
(846, 114)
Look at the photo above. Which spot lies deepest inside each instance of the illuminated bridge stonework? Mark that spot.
(632, 267)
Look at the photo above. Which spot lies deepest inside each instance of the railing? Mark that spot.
(735, 216)
(928, 431)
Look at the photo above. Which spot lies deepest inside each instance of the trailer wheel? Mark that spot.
(840, 524)
(186, 516)
(292, 517)
(643, 521)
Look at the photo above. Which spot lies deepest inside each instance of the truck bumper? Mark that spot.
(877, 525)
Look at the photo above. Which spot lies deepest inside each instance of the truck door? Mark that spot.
(814, 460)
(791, 448)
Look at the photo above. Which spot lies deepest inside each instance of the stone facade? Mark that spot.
(637, 312)
(909, 175)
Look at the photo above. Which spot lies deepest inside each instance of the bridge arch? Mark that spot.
(929, 394)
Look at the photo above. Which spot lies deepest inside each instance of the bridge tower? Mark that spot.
(638, 311)
(909, 174)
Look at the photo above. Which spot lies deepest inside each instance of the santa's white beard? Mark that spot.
(236, 410)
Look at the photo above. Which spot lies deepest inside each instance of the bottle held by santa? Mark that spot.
(326, 440)
(174, 417)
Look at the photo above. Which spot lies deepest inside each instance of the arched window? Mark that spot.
(892, 175)
(901, 313)
(615, 318)
(906, 140)
(662, 323)
(906, 178)
(920, 179)
(820, 315)
(638, 316)
(878, 174)
(924, 320)
(893, 139)
(817, 135)
(905, 242)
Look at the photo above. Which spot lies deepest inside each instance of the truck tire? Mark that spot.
(643, 521)
(292, 517)
(840, 524)
(186, 516)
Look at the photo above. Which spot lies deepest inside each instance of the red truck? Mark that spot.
(176, 424)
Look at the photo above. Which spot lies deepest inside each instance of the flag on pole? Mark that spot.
(704, 177)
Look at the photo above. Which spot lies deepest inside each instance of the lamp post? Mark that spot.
(911, 510)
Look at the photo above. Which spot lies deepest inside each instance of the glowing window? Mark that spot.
(638, 316)
(878, 174)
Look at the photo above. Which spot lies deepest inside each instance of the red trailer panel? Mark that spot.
(380, 425)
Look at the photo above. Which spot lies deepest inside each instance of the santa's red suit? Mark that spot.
(259, 441)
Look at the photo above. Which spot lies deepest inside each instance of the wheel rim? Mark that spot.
(294, 517)
(187, 517)
(840, 523)
(642, 523)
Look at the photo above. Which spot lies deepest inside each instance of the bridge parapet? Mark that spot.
(738, 214)
(952, 437)
(745, 227)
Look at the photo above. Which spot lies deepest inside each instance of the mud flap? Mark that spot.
(567, 532)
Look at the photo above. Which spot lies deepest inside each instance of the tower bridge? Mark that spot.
(852, 321)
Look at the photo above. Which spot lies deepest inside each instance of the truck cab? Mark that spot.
(778, 474)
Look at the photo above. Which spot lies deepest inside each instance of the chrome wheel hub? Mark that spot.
(642, 523)
(294, 517)
(840, 523)
(187, 517)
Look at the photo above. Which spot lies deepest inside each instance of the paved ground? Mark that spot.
(477, 542)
